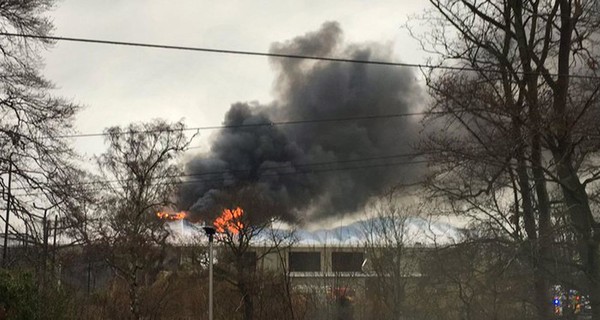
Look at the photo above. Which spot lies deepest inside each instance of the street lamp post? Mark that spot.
(210, 232)
(8, 203)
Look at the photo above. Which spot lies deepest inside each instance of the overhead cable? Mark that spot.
(273, 54)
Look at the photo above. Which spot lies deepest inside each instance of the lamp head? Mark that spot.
(210, 230)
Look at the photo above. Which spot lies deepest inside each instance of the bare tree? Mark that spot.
(390, 252)
(139, 178)
(34, 154)
(521, 120)
(246, 232)
(477, 278)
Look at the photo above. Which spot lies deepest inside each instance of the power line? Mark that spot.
(269, 124)
(297, 166)
(263, 124)
(272, 55)
(278, 174)
(224, 51)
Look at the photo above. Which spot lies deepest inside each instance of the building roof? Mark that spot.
(415, 231)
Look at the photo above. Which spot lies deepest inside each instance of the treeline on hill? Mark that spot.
(512, 140)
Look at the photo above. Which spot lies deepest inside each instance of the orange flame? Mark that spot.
(230, 221)
(171, 216)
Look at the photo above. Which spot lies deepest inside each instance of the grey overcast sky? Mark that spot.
(119, 85)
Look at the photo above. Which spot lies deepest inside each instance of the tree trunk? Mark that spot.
(538, 247)
(247, 301)
(542, 293)
(595, 276)
(545, 238)
(134, 307)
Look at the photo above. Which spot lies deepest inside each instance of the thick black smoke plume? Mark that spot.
(315, 170)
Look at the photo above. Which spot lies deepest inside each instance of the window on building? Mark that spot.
(305, 261)
(347, 261)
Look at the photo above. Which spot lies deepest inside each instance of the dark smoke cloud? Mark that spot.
(272, 158)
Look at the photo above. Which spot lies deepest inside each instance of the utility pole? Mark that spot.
(46, 229)
(210, 232)
(45, 247)
(8, 204)
(54, 243)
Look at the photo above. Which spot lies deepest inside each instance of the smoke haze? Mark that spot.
(273, 159)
